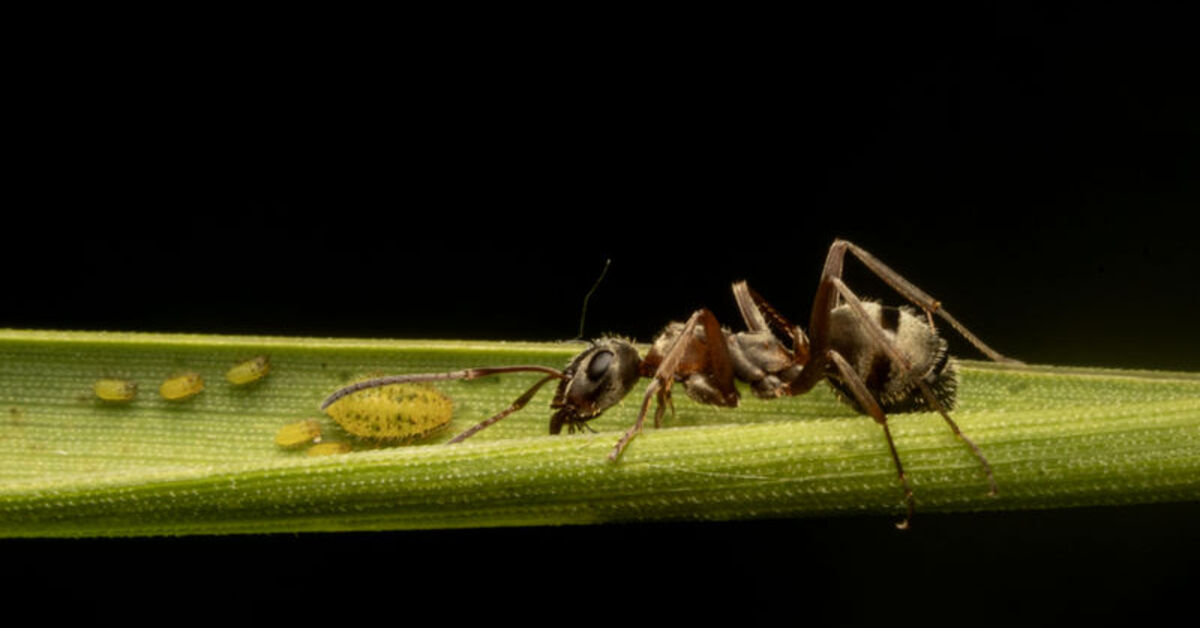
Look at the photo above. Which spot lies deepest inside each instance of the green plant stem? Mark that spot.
(71, 465)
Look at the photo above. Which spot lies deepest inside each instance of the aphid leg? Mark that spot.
(872, 327)
(516, 405)
(867, 402)
(833, 268)
(664, 376)
(435, 377)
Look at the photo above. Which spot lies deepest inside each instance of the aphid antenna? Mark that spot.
(465, 374)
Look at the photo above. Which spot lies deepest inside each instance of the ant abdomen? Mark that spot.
(893, 385)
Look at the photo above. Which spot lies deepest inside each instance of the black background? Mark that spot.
(467, 176)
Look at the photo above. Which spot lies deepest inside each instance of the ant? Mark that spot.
(880, 359)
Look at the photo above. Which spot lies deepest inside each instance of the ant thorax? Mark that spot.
(697, 377)
(894, 386)
(758, 358)
(761, 359)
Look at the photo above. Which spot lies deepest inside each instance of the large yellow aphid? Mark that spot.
(393, 413)
(294, 435)
(117, 390)
(249, 371)
(182, 386)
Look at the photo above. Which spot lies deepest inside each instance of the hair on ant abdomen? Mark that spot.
(890, 383)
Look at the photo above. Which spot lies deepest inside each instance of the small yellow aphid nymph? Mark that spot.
(326, 449)
(249, 371)
(299, 434)
(182, 386)
(112, 389)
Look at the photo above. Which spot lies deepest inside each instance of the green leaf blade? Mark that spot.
(71, 465)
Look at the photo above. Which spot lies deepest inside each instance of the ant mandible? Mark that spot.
(880, 359)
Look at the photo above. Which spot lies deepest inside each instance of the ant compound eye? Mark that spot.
(599, 364)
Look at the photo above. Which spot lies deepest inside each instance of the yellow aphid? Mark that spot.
(182, 386)
(325, 449)
(112, 389)
(393, 413)
(249, 371)
(295, 435)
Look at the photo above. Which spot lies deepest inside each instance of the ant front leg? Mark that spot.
(703, 364)
(513, 407)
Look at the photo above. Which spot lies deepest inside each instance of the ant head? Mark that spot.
(594, 381)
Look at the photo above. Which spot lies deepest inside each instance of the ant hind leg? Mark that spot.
(867, 402)
(931, 306)
(889, 347)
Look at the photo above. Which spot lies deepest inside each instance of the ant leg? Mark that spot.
(888, 346)
(664, 402)
(664, 376)
(654, 387)
(833, 268)
(464, 374)
(684, 353)
(867, 402)
(516, 405)
(753, 312)
(993, 490)
(761, 316)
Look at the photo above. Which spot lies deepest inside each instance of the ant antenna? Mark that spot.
(583, 312)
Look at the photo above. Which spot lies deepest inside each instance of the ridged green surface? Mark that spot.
(71, 465)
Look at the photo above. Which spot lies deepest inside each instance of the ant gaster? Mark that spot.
(880, 359)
